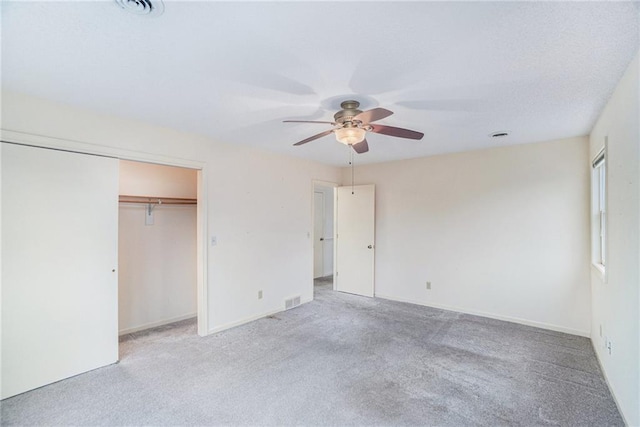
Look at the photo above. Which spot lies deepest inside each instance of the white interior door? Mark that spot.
(355, 232)
(318, 234)
(59, 259)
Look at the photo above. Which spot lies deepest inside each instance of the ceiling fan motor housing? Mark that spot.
(348, 112)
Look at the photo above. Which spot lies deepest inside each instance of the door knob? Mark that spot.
(322, 239)
(370, 247)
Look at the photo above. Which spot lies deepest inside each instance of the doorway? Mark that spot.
(157, 246)
(323, 235)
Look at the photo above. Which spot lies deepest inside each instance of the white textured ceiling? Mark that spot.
(456, 71)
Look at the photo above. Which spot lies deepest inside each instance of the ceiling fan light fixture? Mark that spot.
(350, 136)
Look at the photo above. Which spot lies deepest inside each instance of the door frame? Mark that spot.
(124, 154)
(315, 223)
(319, 183)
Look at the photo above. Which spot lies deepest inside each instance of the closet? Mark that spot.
(156, 245)
(92, 247)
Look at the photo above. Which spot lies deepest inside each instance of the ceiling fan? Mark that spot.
(351, 126)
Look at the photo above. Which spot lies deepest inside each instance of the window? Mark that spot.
(598, 211)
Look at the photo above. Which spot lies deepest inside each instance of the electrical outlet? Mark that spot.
(214, 240)
(428, 286)
(259, 294)
(609, 346)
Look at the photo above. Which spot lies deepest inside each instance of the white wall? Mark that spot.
(502, 232)
(259, 203)
(616, 304)
(157, 263)
(157, 266)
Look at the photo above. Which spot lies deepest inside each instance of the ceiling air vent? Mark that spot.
(142, 7)
(499, 134)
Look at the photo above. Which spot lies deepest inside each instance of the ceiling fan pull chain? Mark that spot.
(351, 163)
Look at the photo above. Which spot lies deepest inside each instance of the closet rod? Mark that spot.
(157, 200)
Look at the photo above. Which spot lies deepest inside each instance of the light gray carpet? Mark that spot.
(323, 283)
(340, 360)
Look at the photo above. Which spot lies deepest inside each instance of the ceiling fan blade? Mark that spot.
(307, 121)
(311, 138)
(398, 132)
(361, 147)
(373, 115)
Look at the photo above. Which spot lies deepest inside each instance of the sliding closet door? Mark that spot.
(59, 259)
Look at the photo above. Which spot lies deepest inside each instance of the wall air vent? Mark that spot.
(291, 302)
(142, 7)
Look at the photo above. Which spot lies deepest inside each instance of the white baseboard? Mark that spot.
(606, 380)
(158, 323)
(250, 319)
(518, 320)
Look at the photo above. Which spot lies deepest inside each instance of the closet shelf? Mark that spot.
(157, 200)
